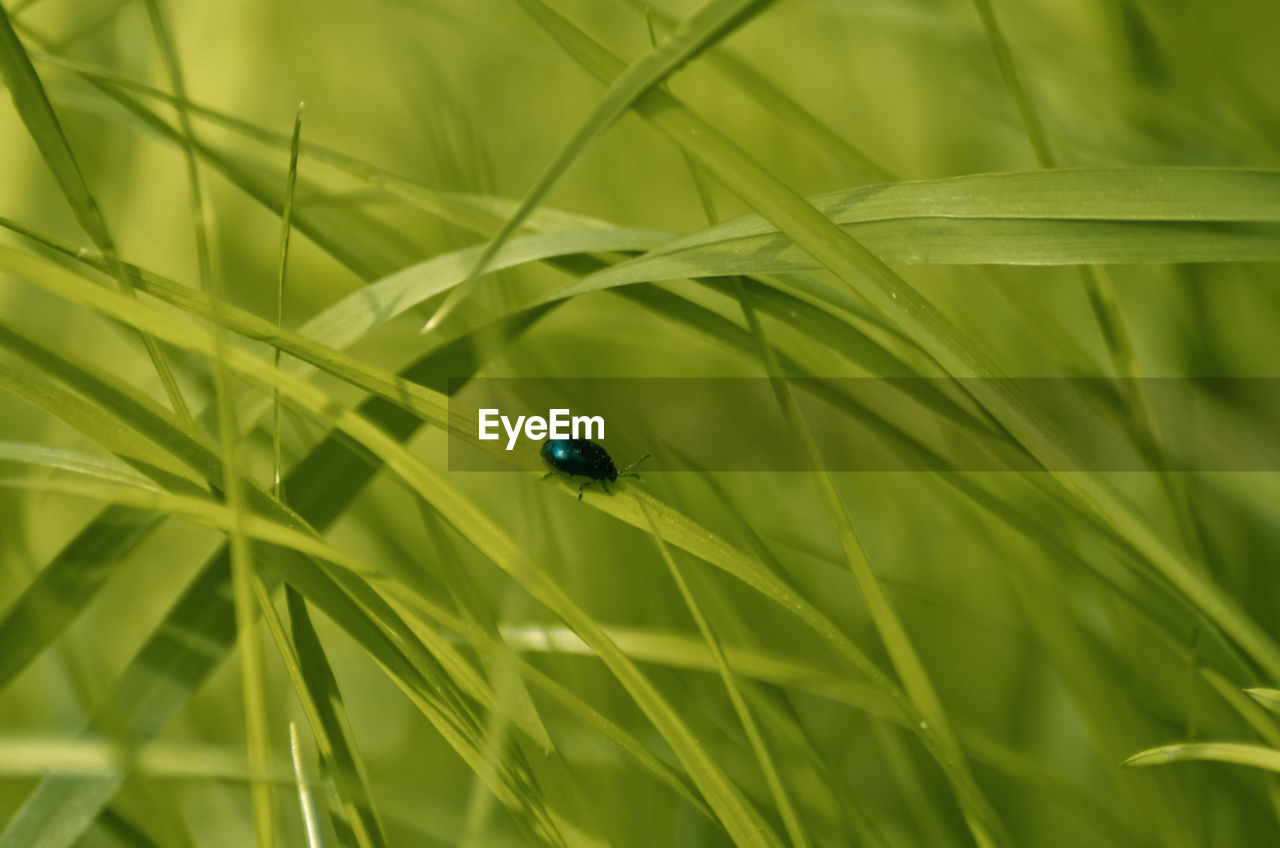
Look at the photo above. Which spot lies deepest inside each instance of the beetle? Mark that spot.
(584, 458)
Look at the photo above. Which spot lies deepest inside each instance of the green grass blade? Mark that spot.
(76, 462)
(1030, 116)
(348, 320)
(286, 229)
(1235, 753)
(99, 757)
(1269, 698)
(1063, 217)
(306, 798)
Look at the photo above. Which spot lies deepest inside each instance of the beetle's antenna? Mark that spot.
(633, 465)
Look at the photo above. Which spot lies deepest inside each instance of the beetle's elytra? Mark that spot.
(584, 458)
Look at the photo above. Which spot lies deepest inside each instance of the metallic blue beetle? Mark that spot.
(584, 458)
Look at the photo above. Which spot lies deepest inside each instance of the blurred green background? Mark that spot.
(1024, 636)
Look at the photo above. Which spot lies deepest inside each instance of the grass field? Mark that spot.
(246, 601)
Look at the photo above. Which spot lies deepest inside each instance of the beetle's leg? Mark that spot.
(604, 486)
(548, 474)
(583, 486)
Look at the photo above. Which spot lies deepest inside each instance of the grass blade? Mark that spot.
(306, 800)
(1269, 698)
(286, 229)
(1235, 753)
(1057, 217)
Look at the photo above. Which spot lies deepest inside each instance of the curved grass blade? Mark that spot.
(286, 229)
(32, 755)
(76, 462)
(306, 799)
(1051, 217)
(1235, 753)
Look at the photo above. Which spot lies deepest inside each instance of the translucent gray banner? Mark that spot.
(901, 424)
